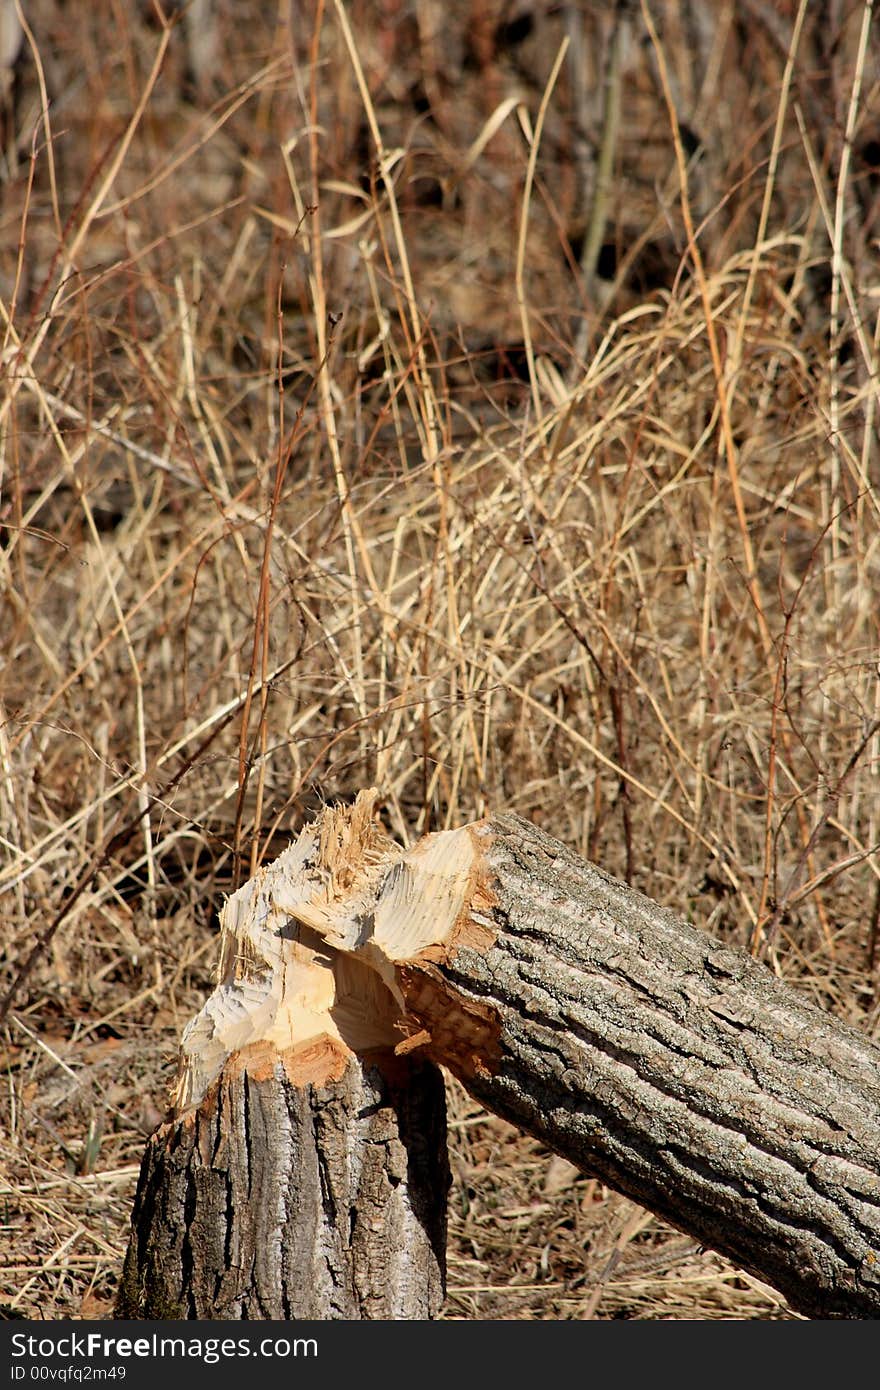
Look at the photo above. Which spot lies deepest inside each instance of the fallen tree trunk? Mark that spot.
(680, 1072)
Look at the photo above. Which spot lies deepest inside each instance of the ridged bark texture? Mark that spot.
(277, 1200)
(683, 1074)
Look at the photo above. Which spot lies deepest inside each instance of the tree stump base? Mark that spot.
(278, 1198)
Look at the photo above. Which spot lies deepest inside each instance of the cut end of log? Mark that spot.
(328, 951)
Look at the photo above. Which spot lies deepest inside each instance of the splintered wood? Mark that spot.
(311, 947)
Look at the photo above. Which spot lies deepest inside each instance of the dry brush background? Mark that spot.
(477, 400)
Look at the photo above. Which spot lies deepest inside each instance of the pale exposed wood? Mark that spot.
(276, 981)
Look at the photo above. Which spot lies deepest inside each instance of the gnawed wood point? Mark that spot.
(311, 947)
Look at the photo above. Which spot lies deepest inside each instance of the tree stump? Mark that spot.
(680, 1072)
(304, 1172)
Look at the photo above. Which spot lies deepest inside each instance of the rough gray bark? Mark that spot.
(275, 1199)
(683, 1074)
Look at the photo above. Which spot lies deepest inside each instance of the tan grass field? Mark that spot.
(474, 400)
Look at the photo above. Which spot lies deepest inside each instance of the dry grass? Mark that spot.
(334, 454)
